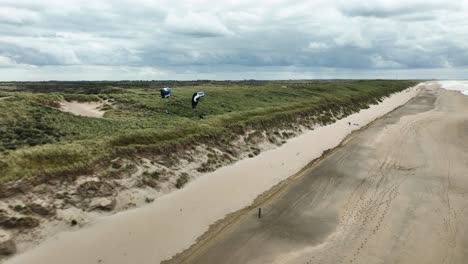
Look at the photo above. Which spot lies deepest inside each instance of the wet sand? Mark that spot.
(396, 192)
(174, 222)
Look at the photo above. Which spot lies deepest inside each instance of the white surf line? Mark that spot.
(461, 86)
(172, 223)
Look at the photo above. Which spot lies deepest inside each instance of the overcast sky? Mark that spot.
(234, 39)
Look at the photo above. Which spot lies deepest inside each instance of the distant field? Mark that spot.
(36, 138)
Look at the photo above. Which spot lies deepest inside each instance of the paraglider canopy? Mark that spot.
(196, 97)
(165, 92)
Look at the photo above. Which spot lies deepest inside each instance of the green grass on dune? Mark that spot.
(36, 138)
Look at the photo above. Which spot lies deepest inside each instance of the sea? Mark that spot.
(461, 86)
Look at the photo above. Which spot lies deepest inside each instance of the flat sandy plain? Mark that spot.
(396, 192)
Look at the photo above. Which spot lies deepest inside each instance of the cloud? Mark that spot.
(318, 46)
(18, 15)
(380, 62)
(10, 63)
(236, 39)
(25, 55)
(196, 25)
(6, 62)
(388, 8)
(353, 39)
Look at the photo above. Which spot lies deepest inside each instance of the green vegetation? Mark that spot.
(36, 138)
(182, 180)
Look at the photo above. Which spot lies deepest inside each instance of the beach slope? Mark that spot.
(396, 192)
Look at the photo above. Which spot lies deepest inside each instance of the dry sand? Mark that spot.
(396, 192)
(160, 230)
(90, 109)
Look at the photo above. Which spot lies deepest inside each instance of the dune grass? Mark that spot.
(37, 138)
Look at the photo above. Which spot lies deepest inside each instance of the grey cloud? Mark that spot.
(196, 24)
(384, 9)
(18, 16)
(27, 55)
(185, 38)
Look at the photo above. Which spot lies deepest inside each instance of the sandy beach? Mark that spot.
(173, 223)
(394, 193)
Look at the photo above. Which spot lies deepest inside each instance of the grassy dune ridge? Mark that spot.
(37, 139)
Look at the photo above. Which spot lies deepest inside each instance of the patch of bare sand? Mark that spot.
(160, 230)
(90, 109)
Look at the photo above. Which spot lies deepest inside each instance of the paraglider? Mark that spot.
(196, 97)
(165, 92)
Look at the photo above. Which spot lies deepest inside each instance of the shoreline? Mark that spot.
(233, 218)
(178, 214)
(397, 176)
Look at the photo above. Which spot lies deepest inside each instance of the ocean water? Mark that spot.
(461, 86)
